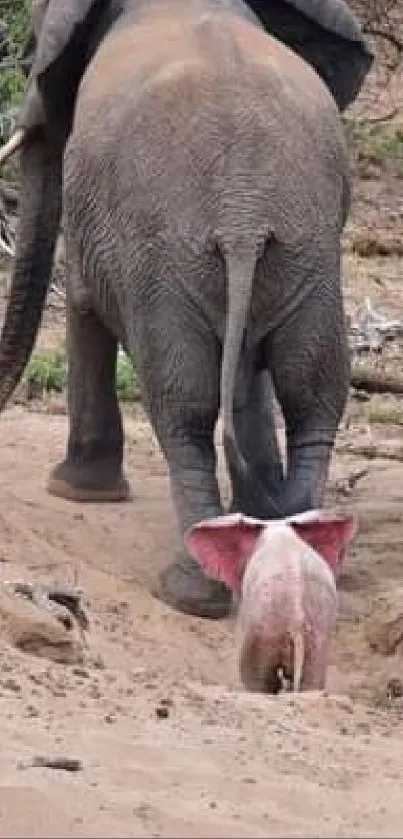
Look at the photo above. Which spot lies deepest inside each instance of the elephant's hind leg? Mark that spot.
(256, 434)
(92, 469)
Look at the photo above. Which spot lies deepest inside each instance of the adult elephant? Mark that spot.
(205, 189)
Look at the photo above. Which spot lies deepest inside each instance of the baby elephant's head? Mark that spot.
(283, 573)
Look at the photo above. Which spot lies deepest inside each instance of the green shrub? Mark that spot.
(47, 373)
(380, 143)
(15, 15)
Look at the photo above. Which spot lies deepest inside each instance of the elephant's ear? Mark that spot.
(333, 15)
(327, 35)
(57, 25)
(223, 546)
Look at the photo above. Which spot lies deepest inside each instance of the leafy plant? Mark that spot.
(14, 16)
(47, 373)
(379, 143)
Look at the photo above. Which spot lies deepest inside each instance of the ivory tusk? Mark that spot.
(6, 246)
(13, 144)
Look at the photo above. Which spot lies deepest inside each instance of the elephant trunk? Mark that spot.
(39, 220)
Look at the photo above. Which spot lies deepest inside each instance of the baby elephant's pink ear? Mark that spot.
(223, 546)
(328, 533)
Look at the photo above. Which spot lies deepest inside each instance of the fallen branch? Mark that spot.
(382, 118)
(372, 451)
(67, 764)
(347, 486)
(391, 38)
(375, 381)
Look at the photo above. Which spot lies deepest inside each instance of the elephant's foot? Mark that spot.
(90, 482)
(184, 587)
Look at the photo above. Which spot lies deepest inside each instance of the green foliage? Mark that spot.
(15, 15)
(379, 143)
(386, 415)
(127, 383)
(47, 373)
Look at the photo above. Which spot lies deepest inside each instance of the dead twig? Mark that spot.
(372, 451)
(347, 486)
(68, 764)
(382, 118)
(375, 381)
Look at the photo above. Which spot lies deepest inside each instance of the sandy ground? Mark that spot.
(170, 745)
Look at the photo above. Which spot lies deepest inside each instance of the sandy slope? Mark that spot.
(169, 744)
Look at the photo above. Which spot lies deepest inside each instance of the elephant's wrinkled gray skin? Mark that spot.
(205, 190)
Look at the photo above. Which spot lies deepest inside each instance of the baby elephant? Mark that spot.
(284, 573)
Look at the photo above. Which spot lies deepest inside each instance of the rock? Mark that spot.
(385, 632)
(33, 630)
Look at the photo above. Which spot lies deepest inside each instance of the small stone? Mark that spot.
(364, 727)
(94, 692)
(81, 671)
(32, 711)
(12, 684)
(162, 712)
(345, 705)
(394, 688)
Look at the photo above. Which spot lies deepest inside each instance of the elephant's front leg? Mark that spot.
(92, 470)
(180, 374)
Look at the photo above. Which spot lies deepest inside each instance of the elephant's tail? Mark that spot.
(299, 655)
(241, 265)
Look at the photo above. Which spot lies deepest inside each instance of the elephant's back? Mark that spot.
(142, 53)
(197, 81)
(211, 127)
